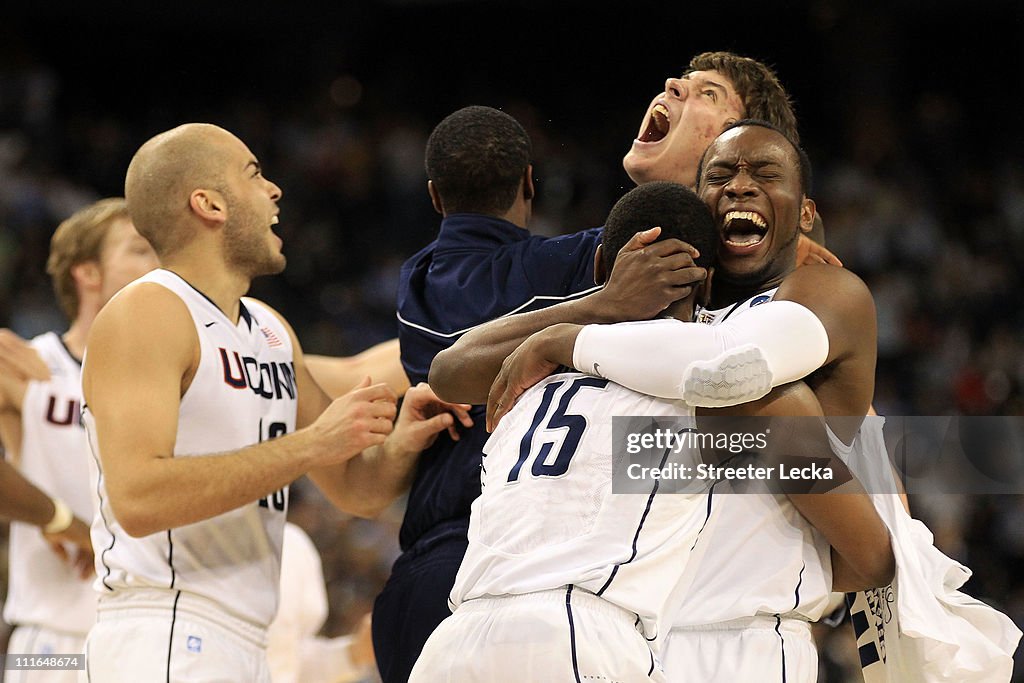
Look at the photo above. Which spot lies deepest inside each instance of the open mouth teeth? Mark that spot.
(657, 125)
(744, 228)
(274, 221)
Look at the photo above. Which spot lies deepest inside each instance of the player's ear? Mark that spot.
(807, 213)
(87, 274)
(528, 190)
(435, 197)
(209, 205)
(600, 276)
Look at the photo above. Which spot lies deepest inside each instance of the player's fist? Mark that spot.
(355, 421)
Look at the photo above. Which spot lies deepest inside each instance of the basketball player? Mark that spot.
(485, 264)
(93, 254)
(200, 411)
(579, 586)
(754, 180)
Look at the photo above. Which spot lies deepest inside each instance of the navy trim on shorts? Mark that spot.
(170, 639)
(572, 634)
(782, 645)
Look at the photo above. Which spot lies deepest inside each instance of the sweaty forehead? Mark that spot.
(754, 145)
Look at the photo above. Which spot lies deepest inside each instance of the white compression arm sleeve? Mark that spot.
(735, 362)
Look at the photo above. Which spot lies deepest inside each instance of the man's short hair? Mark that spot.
(757, 85)
(79, 239)
(803, 161)
(671, 206)
(476, 158)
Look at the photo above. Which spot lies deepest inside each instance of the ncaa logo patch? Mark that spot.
(758, 300)
(194, 644)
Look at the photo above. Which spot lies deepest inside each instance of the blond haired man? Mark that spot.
(93, 254)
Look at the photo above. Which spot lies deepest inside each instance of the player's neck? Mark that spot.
(74, 338)
(221, 286)
(727, 292)
(518, 213)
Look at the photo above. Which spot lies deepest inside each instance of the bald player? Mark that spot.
(200, 411)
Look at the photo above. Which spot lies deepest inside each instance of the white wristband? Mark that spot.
(62, 517)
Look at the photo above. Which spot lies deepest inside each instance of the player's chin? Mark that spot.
(746, 259)
(641, 164)
(272, 265)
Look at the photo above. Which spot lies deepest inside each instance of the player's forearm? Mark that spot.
(166, 492)
(846, 578)
(856, 533)
(771, 345)
(21, 501)
(464, 372)
(365, 485)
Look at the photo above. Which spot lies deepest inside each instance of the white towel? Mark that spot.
(921, 628)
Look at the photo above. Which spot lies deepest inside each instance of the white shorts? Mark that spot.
(557, 635)
(160, 635)
(38, 640)
(753, 650)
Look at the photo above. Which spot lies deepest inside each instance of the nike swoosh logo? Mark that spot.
(208, 324)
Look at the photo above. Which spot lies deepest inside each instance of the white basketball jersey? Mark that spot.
(762, 556)
(244, 391)
(547, 516)
(44, 590)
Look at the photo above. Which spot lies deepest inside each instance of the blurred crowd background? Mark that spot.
(907, 109)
